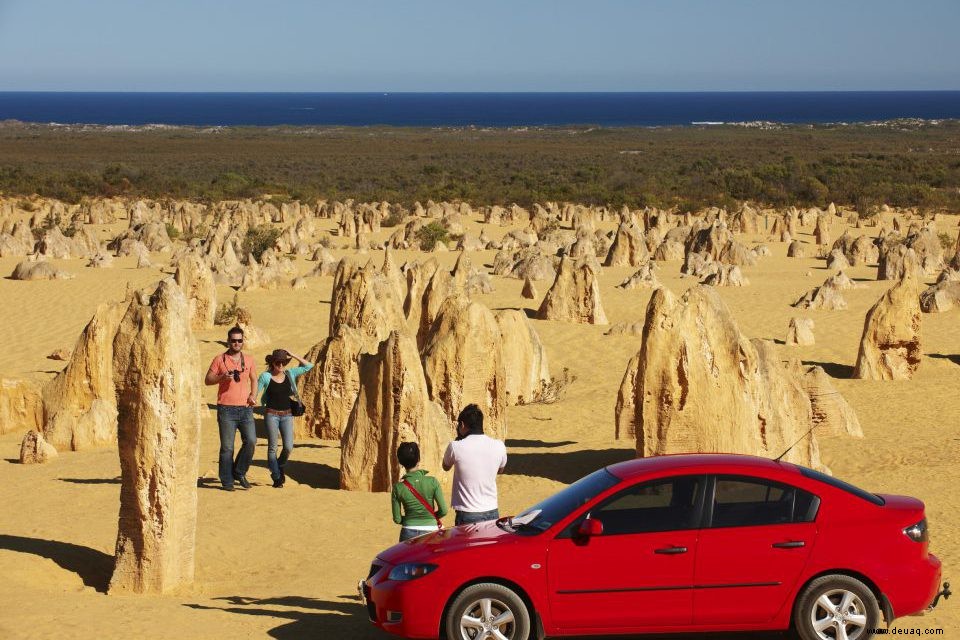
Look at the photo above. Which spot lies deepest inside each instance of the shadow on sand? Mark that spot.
(952, 357)
(312, 474)
(93, 567)
(512, 442)
(833, 369)
(91, 480)
(309, 617)
(565, 467)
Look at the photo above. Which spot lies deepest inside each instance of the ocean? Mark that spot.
(479, 109)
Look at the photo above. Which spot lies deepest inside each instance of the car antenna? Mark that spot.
(809, 431)
(787, 450)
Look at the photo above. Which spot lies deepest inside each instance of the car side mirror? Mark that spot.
(589, 528)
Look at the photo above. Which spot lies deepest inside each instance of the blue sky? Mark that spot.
(485, 45)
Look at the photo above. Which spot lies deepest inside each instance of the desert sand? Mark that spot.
(284, 563)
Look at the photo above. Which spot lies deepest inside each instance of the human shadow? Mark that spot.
(93, 567)
(537, 443)
(952, 357)
(323, 618)
(313, 474)
(91, 480)
(833, 369)
(565, 467)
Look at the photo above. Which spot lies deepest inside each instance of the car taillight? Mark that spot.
(918, 532)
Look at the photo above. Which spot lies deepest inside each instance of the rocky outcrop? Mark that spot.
(726, 275)
(897, 262)
(826, 296)
(701, 386)
(529, 290)
(330, 389)
(643, 278)
(800, 332)
(890, 345)
(463, 363)
(21, 405)
(39, 270)
(940, 297)
(832, 414)
(80, 404)
(392, 407)
(628, 248)
(365, 299)
(574, 296)
(524, 358)
(253, 336)
(196, 281)
(35, 450)
(156, 361)
(625, 412)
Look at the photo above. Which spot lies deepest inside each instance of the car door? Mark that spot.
(639, 571)
(751, 553)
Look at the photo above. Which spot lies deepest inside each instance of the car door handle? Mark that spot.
(671, 550)
(792, 544)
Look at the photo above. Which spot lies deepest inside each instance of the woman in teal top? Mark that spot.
(276, 387)
(412, 516)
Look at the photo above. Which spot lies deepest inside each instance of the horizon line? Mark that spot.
(482, 92)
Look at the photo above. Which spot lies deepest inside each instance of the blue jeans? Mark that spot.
(472, 517)
(406, 534)
(281, 426)
(229, 420)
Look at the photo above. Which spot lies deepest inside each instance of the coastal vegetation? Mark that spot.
(906, 163)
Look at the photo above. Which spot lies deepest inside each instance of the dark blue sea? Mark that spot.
(480, 109)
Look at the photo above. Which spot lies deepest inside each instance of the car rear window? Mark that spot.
(843, 486)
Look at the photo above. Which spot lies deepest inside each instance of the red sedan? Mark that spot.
(668, 544)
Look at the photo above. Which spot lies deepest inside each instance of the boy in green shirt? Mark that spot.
(416, 518)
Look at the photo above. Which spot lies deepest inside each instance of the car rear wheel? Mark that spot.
(488, 611)
(836, 607)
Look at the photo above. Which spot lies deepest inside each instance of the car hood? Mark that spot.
(431, 545)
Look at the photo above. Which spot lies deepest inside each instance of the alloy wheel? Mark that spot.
(487, 618)
(839, 614)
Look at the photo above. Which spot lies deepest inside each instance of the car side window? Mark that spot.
(663, 505)
(745, 502)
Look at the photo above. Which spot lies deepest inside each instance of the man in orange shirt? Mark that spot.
(235, 401)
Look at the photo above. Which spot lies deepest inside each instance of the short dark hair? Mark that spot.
(233, 330)
(472, 418)
(408, 454)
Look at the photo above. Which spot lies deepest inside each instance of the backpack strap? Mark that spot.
(426, 505)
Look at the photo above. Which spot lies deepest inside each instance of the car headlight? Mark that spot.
(410, 571)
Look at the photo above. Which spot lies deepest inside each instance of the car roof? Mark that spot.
(702, 462)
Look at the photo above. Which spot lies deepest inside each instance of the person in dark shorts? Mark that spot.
(277, 387)
(417, 500)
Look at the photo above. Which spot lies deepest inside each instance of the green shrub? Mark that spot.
(227, 313)
(259, 239)
(172, 232)
(395, 218)
(947, 241)
(430, 234)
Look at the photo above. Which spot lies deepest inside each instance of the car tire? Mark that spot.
(834, 600)
(487, 605)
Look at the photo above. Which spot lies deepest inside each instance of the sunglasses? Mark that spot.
(239, 340)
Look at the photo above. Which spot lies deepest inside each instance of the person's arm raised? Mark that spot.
(448, 458)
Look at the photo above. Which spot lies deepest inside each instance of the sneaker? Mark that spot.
(243, 482)
(227, 487)
(283, 477)
(278, 483)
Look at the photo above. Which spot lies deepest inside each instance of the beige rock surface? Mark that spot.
(195, 279)
(800, 332)
(21, 405)
(392, 407)
(890, 345)
(702, 386)
(36, 450)
(156, 365)
(524, 358)
(330, 389)
(574, 296)
(463, 363)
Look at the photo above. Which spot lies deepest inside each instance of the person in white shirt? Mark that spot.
(476, 459)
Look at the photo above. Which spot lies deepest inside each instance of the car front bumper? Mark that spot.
(409, 608)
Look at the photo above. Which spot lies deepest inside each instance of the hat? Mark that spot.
(279, 355)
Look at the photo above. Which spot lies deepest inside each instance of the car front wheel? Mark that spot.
(488, 611)
(836, 607)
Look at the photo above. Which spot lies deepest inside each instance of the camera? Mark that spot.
(235, 375)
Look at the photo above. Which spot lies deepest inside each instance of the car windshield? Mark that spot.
(545, 514)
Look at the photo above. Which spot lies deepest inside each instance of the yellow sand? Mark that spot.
(285, 563)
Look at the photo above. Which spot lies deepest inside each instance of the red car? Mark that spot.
(677, 543)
